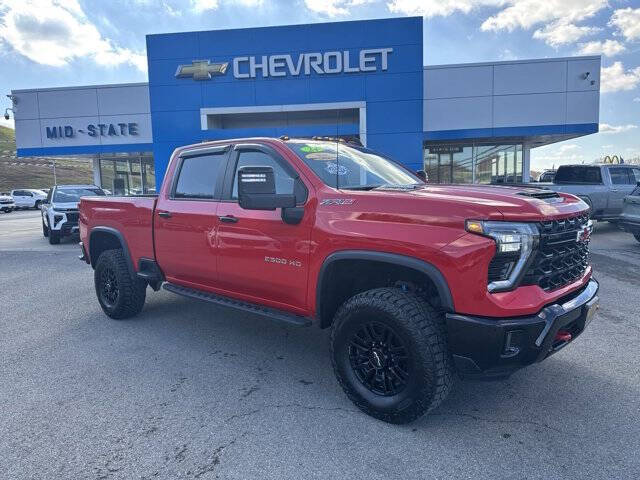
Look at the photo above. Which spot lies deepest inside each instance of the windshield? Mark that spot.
(342, 166)
(72, 195)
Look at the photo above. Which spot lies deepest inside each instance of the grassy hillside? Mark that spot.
(37, 172)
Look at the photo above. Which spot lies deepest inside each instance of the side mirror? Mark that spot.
(257, 190)
(422, 175)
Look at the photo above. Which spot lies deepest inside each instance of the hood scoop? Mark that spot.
(545, 195)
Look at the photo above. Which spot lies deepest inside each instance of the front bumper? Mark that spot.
(7, 206)
(489, 348)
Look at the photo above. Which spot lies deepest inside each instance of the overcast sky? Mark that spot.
(45, 43)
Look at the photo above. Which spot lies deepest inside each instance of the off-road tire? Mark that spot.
(422, 330)
(131, 290)
(45, 230)
(54, 237)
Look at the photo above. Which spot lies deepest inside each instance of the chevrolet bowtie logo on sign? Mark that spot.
(201, 70)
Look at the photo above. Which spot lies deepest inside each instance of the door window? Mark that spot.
(284, 181)
(620, 176)
(198, 176)
(635, 177)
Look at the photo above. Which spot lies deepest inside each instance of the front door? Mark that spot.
(186, 221)
(262, 258)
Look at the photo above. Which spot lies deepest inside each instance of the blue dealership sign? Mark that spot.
(376, 63)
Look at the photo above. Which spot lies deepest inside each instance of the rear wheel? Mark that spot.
(121, 294)
(37, 205)
(390, 354)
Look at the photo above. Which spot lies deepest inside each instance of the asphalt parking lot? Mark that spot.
(191, 390)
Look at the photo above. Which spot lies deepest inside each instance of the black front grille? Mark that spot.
(72, 217)
(560, 258)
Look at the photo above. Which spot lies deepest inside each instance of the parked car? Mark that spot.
(28, 198)
(419, 283)
(630, 218)
(7, 204)
(547, 176)
(60, 210)
(602, 186)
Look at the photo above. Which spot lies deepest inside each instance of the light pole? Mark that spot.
(55, 180)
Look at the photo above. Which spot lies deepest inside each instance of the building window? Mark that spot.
(473, 163)
(128, 174)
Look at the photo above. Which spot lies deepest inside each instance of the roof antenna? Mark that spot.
(337, 145)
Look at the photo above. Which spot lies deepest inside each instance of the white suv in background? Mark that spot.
(7, 205)
(28, 198)
(60, 210)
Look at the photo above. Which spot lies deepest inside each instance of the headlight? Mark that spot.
(515, 242)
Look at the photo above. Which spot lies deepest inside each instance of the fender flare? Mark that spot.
(121, 240)
(431, 271)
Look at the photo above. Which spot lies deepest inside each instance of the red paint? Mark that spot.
(195, 249)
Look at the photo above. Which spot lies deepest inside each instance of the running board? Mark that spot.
(272, 313)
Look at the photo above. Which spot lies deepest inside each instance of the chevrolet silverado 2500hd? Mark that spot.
(419, 283)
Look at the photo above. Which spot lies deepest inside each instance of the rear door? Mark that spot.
(622, 184)
(262, 258)
(22, 198)
(185, 218)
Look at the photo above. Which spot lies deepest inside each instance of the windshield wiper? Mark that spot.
(360, 187)
(407, 186)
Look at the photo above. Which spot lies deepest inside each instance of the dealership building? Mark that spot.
(462, 123)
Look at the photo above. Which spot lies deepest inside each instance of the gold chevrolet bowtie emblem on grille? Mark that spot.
(201, 70)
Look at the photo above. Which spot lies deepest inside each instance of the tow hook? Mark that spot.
(562, 336)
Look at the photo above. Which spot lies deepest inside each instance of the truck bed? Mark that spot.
(131, 216)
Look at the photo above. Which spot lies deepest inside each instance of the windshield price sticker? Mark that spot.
(312, 149)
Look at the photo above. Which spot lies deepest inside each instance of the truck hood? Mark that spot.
(500, 202)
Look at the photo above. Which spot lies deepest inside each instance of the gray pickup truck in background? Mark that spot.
(602, 186)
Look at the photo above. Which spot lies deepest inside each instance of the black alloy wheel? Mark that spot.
(379, 358)
(109, 287)
(389, 353)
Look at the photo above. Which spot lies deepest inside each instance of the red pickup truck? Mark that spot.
(419, 283)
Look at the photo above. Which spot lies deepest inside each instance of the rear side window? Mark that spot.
(620, 176)
(578, 174)
(198, 176)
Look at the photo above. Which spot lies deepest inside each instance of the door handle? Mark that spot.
(229, 219)
(164, 214)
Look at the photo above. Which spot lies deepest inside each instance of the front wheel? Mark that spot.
(45, 230)
(390, 354)
(637, 235)
(54, 236)
(120, 294)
